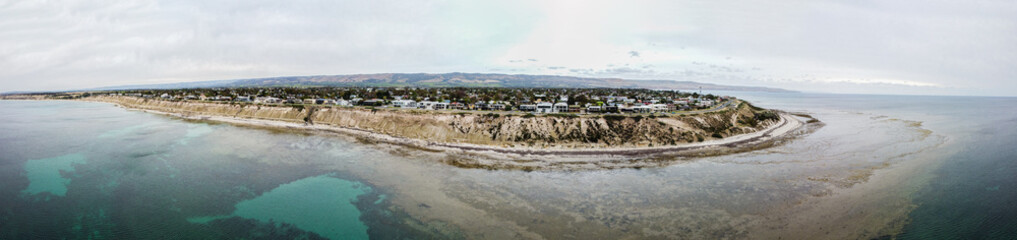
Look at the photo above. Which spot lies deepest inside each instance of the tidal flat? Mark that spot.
(863, 175)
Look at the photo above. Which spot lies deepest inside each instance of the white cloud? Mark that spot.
(952, 47)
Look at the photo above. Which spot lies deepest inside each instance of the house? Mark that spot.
(545, 107)
(373, 102)
(344, 103)
(593, 109)
(498, 107)
(575, 109)
(611, 108)
(561, 107)
(430, 105)
(642, 109)
(705, 103)
(659, 107)
(528, 108)
(404, 104)
(266, 100)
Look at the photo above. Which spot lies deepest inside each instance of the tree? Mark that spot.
(578, 99)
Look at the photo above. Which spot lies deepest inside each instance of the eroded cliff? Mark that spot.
(504, 130)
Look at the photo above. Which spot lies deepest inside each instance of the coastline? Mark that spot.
(806, 206)
(468, 155)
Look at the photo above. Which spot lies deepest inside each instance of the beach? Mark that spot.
(532, 158)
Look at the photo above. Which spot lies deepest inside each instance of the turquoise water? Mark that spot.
(94, 171)
(319, 204)
(75, 170)
(44, 175)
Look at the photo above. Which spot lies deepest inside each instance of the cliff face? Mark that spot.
(513, 130)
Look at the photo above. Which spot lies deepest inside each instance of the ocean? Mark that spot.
(908, 167)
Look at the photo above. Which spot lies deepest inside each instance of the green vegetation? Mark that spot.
(767, 115)
(614, 117)
(562, 115)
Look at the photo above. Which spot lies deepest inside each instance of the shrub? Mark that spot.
(563, 115)
(614, 117)
(529, 115)
(767, 115)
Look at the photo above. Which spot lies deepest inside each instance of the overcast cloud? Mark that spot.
(883, 47)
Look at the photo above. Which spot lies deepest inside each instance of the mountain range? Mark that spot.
(448, 80)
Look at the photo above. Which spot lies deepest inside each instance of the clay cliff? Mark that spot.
(503, 129)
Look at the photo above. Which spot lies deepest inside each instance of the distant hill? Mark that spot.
(449, 80)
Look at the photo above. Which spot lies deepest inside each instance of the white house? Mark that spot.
(561, 107)
(545, 107)
(642, 109)
(659, 107)
(432, 105)
(404, 104)
(706, 103)
(269, 100)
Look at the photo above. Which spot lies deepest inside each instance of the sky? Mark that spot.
(923, 47)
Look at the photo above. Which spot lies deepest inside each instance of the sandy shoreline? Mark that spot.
(527, 158)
